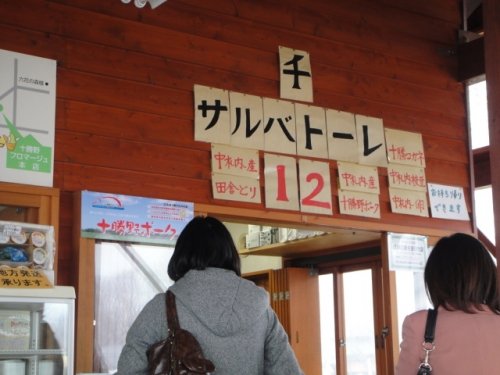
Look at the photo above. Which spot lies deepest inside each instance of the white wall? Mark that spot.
(251, 263)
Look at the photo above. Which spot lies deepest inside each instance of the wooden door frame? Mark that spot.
(85, 294)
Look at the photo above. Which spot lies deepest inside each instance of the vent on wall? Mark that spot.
(142, 3)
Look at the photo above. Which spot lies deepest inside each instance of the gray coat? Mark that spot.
(231, 319)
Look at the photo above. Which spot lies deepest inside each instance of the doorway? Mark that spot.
(96, 257)
(352, 340)
(125, 275)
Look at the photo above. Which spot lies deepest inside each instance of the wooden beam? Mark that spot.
(491, 16)
(471, 59)
(482, 167)
(390, 308)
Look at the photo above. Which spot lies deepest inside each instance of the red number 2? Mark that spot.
(309, 200)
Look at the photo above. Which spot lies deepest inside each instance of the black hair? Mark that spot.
(204, 242)
(460, 274)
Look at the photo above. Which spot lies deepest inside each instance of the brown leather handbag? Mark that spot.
(180, 353)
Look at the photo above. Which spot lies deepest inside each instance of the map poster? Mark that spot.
(27, 118)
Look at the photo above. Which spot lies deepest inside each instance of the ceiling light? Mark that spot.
(155, 3)
(142, 3)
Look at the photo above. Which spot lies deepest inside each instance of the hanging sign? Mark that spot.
(119, 217)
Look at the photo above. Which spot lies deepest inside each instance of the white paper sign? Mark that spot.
(359, 204)
(406, 177)
(235, 161)
(235, 188)
(357, 177)
(407, 252)
(211, 119)
(27, 118)
(295, 75)
(342, 137)
(447, 202)
(247, 121)
(315, 187)
(405, 147)
(279, 126)
(311, 131)
(371, 141)
(281, 184)
(408, 202)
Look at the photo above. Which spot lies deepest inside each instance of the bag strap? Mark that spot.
(428, 346)
(172, 319)
(430, 325)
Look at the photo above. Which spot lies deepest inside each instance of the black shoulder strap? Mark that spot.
(172, 319)
(430, 325)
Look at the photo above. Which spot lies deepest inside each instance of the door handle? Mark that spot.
(383, 335)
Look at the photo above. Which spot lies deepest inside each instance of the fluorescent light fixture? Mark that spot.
(140, 3)
(155, 3)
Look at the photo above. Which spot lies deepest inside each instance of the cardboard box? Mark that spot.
(265, 237)
(252, 240)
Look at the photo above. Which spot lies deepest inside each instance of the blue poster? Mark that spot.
(117, 217)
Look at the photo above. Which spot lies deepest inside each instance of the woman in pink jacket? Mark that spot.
(461, 282)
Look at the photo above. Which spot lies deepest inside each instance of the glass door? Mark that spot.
(348, 313)
(359, 341)
(125, 275)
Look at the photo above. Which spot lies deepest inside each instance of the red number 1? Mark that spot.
(281, 193)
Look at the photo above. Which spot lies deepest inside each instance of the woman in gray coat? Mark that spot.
(230, 317)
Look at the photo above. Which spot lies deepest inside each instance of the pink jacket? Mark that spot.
(465, 343)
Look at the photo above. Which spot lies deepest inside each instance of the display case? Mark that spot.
(37, 331)
(24, 245)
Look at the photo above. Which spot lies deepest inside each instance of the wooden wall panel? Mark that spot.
(145, 127)
(132, 155)
(65, 250)
(124, 115)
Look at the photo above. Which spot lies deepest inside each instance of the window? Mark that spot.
(327, 322)
(478, 121)
(411, 295)
(478, 114)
